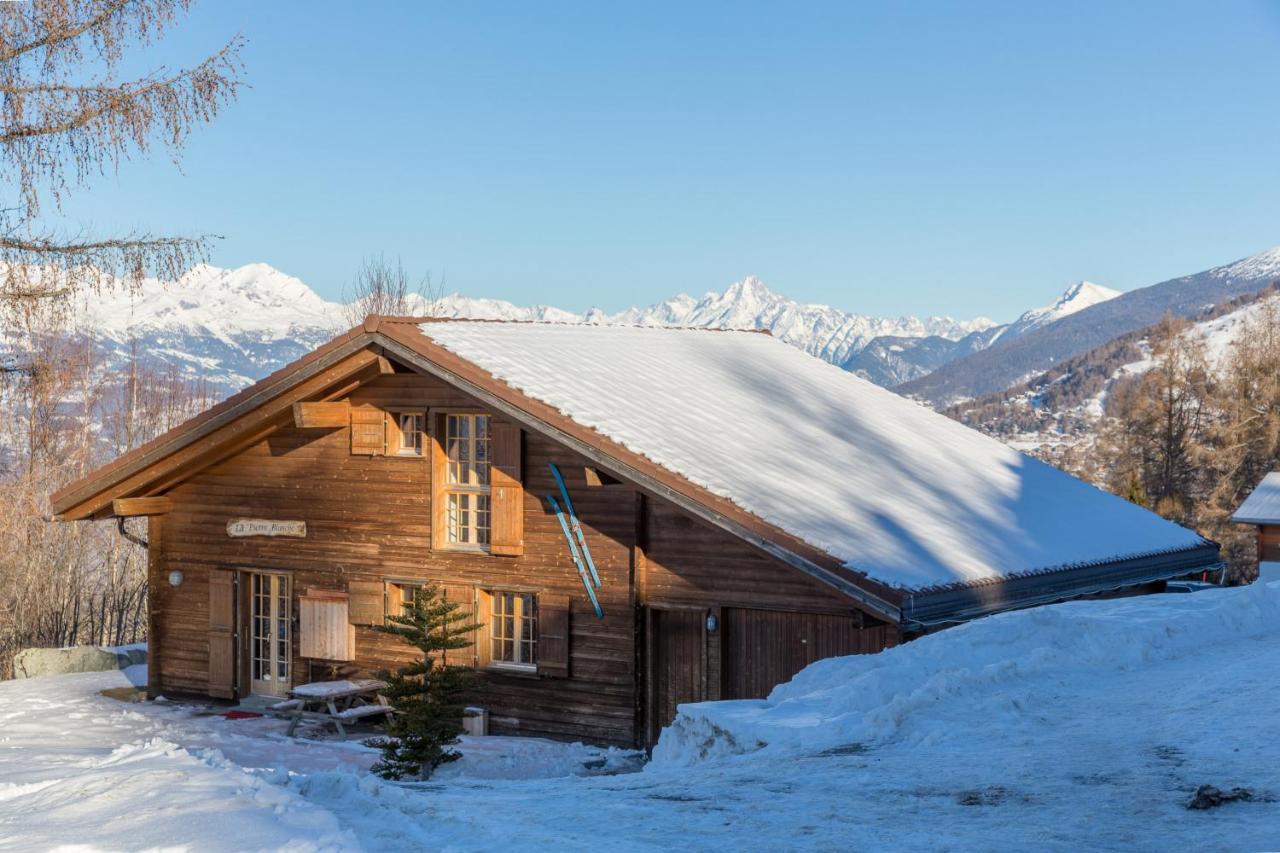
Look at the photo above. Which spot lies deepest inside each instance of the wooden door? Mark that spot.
(676, 670)
(269, 635)
(222, 626)
(761, 649)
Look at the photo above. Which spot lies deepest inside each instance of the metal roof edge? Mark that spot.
(922, 610)
(1239, 519)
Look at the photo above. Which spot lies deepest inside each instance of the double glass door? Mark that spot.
(269, 634)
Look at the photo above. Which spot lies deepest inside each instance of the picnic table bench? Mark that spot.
(334, 703)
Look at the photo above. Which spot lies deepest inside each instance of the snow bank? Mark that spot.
(1012, 666)
(897, 491)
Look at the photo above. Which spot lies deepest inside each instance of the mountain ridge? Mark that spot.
(229, 327)
(1012, 361)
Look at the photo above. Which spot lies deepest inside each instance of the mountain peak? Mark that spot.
(1077, 297)
(1081, 295)
(750, 289)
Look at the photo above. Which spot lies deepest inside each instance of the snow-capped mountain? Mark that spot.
(820, 330)
(1014, 360)
(229, 327)
(892, 360)
(1077, 297)
(232, 326)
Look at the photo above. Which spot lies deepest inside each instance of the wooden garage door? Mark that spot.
(763, 648)
(677, 666)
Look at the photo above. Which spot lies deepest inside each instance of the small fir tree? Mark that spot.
(428, 695)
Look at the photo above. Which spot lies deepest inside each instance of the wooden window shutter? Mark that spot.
(465, 598)
(324, 631)
(553, 635)
(506, 534)
(365, 604)
(368, 432)
(222, 628)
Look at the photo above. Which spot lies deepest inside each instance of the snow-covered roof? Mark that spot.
(907, 496)
(1263, 504)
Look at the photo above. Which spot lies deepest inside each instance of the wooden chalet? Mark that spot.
(288, 519)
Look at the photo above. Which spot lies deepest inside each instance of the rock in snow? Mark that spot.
(1088, 725)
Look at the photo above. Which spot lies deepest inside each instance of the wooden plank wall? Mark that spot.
(1269, 543)
(763, 648)
(369, 518)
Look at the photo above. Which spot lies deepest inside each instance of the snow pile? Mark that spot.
(1004, 670)
(904, 494)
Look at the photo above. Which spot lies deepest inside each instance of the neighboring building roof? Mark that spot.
(1263, 504)
(895, 491)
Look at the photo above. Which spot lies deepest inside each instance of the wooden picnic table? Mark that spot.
(334, 702)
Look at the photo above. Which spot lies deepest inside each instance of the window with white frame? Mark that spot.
(513, 629)
(410, 431)
(466, 489)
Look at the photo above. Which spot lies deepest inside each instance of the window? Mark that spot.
(466, 490)
(513, 629)
(401, 598)
(409, 433)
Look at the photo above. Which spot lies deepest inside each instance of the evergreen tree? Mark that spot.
(428, 695)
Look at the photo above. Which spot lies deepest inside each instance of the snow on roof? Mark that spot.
(895, 490)
(1263, 504)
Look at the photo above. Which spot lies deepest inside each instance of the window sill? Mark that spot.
(403, 454)
(463, 549)
(523, 670)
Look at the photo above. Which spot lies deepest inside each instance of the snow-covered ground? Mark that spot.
(1082, 726)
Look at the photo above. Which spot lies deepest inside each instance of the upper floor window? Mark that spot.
(409, 433)
(466, 491)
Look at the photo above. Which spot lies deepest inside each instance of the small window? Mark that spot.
(400, 598)
(409, 433)
(513, 630)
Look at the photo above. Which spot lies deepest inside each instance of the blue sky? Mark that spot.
(892, 158)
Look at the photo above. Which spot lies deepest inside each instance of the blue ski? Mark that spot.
(573, 522)
(577, 557)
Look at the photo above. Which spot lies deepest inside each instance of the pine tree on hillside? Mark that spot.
(428, 695)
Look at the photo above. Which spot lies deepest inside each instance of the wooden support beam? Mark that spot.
(129, 507)
(385, 366)
(321, 415)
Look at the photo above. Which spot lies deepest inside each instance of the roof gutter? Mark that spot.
(952, 606)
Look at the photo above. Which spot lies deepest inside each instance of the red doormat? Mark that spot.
(241, 715)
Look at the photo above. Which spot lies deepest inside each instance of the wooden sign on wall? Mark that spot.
(238, 527)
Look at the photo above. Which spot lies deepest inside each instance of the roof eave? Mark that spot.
(1240, 519)
(962, 604)
(76, 495)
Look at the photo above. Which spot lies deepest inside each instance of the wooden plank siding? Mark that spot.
(1269, 543)
(763, 648)
(369, 518)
